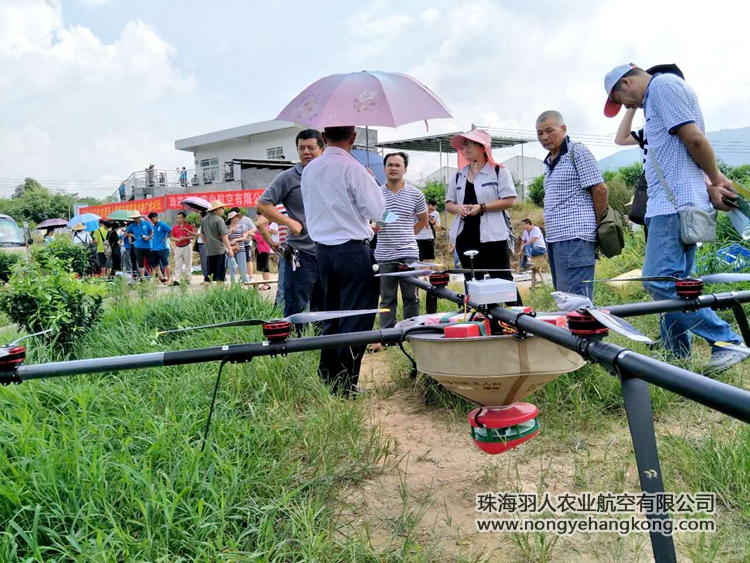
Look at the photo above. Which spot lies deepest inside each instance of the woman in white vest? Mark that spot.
(479, 195)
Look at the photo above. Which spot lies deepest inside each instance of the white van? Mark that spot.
(12, 238)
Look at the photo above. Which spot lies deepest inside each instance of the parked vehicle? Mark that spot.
(12, 237)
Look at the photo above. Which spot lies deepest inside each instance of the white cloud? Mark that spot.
(75, 107)
(501, 64)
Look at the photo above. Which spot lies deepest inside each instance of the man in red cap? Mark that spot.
(679, 160)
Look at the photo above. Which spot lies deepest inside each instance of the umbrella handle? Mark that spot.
(367, 145)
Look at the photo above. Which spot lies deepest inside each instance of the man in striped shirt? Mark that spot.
(397, 241)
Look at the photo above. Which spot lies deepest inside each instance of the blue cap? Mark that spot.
(611, 108)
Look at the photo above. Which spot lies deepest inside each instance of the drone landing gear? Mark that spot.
(641, 421)
(498, 429)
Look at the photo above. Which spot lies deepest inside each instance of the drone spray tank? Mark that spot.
(493, 366)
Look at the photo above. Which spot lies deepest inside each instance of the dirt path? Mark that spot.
(437, 471)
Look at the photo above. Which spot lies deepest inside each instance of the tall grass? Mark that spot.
(108, 467)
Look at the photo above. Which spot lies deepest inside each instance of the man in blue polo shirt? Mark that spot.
(140, 233)
(679, 155)
(159, 248)
(575, 200)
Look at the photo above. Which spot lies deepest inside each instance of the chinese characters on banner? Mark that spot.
(240, 198)
(145, 206)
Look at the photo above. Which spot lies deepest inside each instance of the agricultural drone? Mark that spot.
(488, 353)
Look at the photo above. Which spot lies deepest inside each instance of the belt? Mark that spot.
(182, 245)
(352, 241)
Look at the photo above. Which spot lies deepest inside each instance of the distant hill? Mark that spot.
(731, 145)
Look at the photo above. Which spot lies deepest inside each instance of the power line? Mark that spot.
(731, 147)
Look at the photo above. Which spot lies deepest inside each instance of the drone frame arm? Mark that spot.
(234, 352)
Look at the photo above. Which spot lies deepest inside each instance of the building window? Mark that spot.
(210, 170)
(275, 153)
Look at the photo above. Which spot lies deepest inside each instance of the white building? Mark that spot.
(523, 168)
(443, 175)
(263, 141)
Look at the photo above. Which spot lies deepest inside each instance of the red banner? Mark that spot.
(143, 205)
(240, 198)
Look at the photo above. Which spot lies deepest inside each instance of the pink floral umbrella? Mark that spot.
(388, 99)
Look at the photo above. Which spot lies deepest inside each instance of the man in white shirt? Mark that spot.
(340, 198)
(533, 243)
(426, 237)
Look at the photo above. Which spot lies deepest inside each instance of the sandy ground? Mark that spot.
(436, 473)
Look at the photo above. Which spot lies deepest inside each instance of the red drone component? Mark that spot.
(583, 324)
(558, 320)
(462, 331)
(14, 356)
(277, 331)
(499, 429)
(440, 279)
(689, 288)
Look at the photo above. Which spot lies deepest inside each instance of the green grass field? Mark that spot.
(108, 467)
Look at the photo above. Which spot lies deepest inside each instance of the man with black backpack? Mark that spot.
(575, 202)
(626, 136)
(679, 213)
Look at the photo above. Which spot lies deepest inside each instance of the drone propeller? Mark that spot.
(733, 347)
(419, 264)
(420, 273)
(572, 302)
(618, 325)
(710, 278)
(298, 318)
(4, 350)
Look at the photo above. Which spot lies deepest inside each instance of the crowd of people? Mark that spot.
(148, 246)
(335, 208)
(334, 212)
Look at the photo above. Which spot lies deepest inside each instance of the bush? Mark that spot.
(435, 190)
(50, 296)
(7, 261)
(619, 194)
(631, 174)
(536, 191)
(194, 219)
(75, 257)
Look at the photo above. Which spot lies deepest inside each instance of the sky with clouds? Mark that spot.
(93, 90)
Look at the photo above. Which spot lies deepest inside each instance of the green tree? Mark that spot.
(631, 174)
(536, 191)
(29, 184)
(435, 190)
(34, 203)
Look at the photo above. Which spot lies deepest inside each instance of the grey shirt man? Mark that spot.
(212, 228)
(285, 190)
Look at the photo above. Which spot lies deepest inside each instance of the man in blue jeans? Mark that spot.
(575, 200)
(679, 155)
(299, 285)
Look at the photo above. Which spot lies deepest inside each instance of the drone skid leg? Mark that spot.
(641, 421)
(741, 318)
